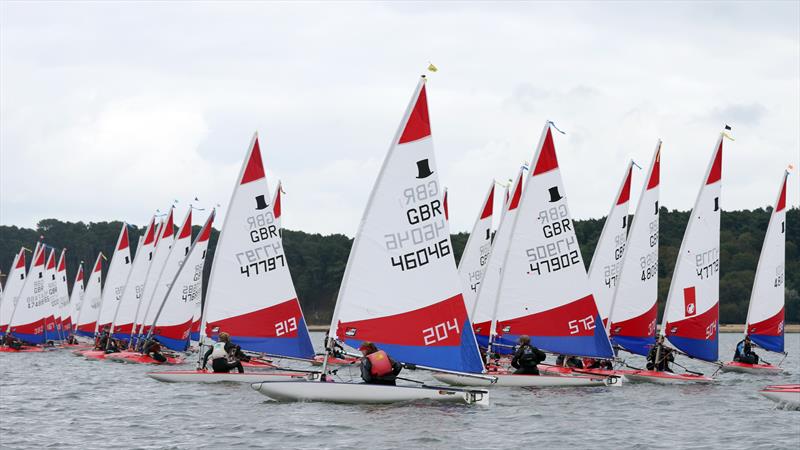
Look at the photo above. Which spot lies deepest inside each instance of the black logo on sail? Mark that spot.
(423, 169)
(554, 195)
(261, 202)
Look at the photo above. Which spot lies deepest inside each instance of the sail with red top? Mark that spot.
(33, 307)
(691, 315)
(544, 289)
(53, 319)
(401, 289)
(633, 312)
(89, 309)
(165, 238)
(63, 295)
(76, 298)
(250, 293)
(476, 254)
(14, 283)
(118, 270)
(173, 322)
(765, 316)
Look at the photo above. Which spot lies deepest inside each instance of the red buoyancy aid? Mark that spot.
(380, 363)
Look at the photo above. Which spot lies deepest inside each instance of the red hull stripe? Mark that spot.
(625, 195)
(283, 318)
(547, 157)
(640, 326)
(556, 321)
(255, 168)
(655, 176)
(436, 325)
(782, 199)
(418, 125)
(701, 326)
(769, 327)
(488, 207)
(716, 168)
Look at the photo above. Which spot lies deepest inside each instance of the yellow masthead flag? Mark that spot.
(432, 68)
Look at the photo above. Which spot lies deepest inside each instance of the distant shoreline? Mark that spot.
(726, 328)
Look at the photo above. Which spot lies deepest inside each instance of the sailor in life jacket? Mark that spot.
(744, 352)
(377, 367)
(224, 355)
(527, 357)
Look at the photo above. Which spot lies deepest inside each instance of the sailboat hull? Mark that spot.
(24, 349)
(650, 376)
(314, 391)
(138, 358)
(764, 369)
(508, 380)
(195, 376)
(787, 395)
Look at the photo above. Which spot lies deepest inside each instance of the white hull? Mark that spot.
(192, 376)
(763, 369)
(527, 380)
(785, 398)
(666, 378)
(315, 391)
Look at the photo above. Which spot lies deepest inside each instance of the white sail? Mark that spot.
(164, 241)
(52, 322)
(544, 289)
(484, 308)
(89, 309)
(63, 294)
(765, 315)
(125, 316)
(14, 283)
(173, 322)
(691, 315)
(634, 308)
(476, 254)
(76, 298)
(250, 290)
(605, 267)
(117, 275)
(401, 288)
(28, 319)
(173, 262)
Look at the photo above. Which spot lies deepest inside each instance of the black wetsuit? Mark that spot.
(223, 365)
(745, 354)
(153, 350)
(664, 358)
(388, 379)
(525, 360)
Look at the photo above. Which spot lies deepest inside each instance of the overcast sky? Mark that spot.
(111, 110)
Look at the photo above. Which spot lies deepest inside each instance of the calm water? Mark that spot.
(58, 400)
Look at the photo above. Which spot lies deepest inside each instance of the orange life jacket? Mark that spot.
(380, 363)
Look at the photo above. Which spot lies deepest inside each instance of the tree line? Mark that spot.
(317, 262)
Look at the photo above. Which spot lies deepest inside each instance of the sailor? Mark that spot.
(527, 357)
(595, 363)
(569, 361)
(102, 340)
(223, 355)
(744, 352)
(660, 356)
(11, 341)
(377, 367)
(152, 348)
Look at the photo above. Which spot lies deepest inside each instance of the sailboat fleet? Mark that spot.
(402, 290)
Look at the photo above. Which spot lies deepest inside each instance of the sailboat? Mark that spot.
(604, 270)
(400, 289)
(786, 396)
(634, 306)
(544, 290)
(125, 315)
(765, 316)
(691, 315)
(477, 251)
(63, 295)
(90, 304)
(14, 284)
(28, 319)
(52, 322)
(116, 277)
(76, 298)
(250, 294)
(484, 307)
